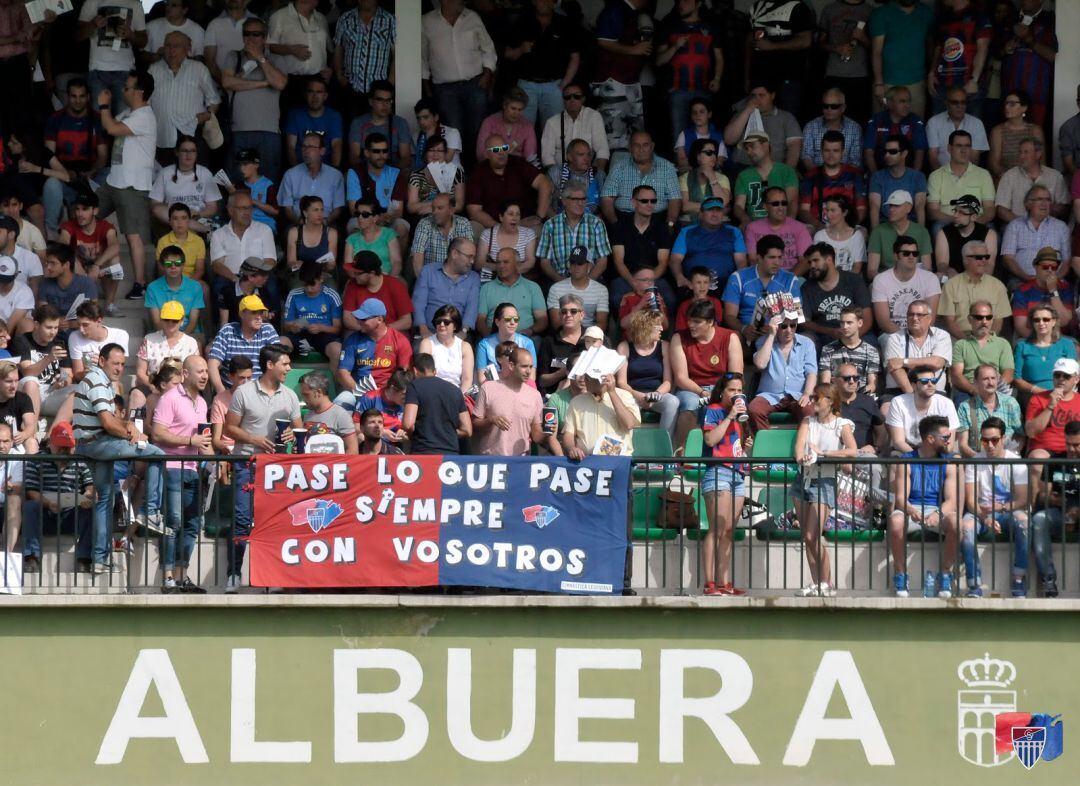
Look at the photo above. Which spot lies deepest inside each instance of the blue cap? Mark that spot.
(372, 307)
(712, 203)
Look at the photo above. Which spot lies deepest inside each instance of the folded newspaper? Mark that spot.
(597, 363)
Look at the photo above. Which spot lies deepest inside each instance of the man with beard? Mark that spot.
(828, 292)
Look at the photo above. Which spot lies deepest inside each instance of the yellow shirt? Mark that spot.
(194, 248)
(591, 419)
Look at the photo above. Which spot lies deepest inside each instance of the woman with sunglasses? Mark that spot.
(1035, 355)
(722, 486)
(313, 240)
(825, 434)
(704, 178)
(439, 176)
(1005, 137)
(506, 324)
(647, 371)
(509, 232)
(453, 356)
(189, 182)
(840, 233)
(371, 236)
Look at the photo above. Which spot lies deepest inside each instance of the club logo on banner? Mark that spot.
(547, 525)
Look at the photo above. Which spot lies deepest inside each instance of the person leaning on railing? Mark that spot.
(1060, 508)
(103, 436)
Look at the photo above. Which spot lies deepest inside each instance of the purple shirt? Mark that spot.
(181, 416)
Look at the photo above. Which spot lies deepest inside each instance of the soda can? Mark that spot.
(301, 439)
(742, 417)
(203, 430)
(549, 420)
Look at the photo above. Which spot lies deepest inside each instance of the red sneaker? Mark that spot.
(729, 589)
(711, 588)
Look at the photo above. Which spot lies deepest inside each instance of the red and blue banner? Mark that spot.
(536, 524)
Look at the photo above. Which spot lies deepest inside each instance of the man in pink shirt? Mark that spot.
(777, 222)
(506, 419)
(177, 419)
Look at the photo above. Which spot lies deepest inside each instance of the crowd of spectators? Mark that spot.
(891, 267)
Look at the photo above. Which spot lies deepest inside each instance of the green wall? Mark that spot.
(66, 670)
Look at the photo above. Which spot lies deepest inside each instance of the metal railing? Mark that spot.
(670, 520)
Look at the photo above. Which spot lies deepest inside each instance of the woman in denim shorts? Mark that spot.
(823, 434)
(722, 485)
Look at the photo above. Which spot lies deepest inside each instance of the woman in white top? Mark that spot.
(848, 242)
(507, 233)
(822, 435)
(453, 357)
(188, 182)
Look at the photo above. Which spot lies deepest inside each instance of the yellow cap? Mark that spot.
(252, 303)
(172, 310)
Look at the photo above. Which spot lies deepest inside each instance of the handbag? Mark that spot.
(678, 509)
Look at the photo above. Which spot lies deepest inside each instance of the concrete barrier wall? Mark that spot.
(403, 690)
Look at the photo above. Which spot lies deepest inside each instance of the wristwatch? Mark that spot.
(102, 107)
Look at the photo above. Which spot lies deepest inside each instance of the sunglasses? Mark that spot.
(379, 151)
(1050, 266)
(777, 203)
(981, 317)
(573, 96)
(831, 106)
(904, 253)
(1042, 319)
(513, 320)
(892, 151)
(1062, 374)
(175, 263)
(646, 201)
(364, 213)
(980, 257)
(570, 311)
(850, 377)
(926, 380)
(918, 314)
(990, 440)
(708, 152)
(499, 149)
(440, 322)
(788, 325)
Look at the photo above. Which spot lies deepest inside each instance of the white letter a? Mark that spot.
(152, 667)
(837, 670)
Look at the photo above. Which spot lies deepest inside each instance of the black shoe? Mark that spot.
(136, 293)
(84, 565)
(188, 586)
(629, 593)
(1050, 589)
(31, 564)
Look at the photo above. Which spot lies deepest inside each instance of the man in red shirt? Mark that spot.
(502, 177)
(1048, 414)
(96, 245)
(700, 355)
(371, 355)
(366, 281)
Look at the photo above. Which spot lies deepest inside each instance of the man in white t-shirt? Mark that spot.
(995, 497)
(131, 172)
(175, 19)
(84, 344)
(116, 28)
(28, 268)
(16, 299)
(898, 286)
(905, 411)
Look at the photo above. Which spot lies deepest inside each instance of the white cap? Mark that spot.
(900, 198)
(1067, 366)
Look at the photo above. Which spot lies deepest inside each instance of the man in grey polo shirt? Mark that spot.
(251, 423)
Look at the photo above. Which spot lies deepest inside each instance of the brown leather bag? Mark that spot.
(678, 510)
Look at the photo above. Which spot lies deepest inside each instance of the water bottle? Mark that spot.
(929, 587)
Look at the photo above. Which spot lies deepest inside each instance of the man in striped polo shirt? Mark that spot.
(102, 435)
(246, 337)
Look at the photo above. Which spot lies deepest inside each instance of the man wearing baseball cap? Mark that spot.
(948, 245)
(246, 337)
(880, 247)
(710, 243)
(763, 171)
(1047, 415)
(256, 277)
(371, 355)
(16, 298)
(366, 281)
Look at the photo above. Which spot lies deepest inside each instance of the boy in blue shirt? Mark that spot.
(313, 315)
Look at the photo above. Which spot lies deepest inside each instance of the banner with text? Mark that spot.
(547, 525)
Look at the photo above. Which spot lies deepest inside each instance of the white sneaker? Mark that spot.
(809, 591)
(154, 522)
(232, 585)
(111, 310)
(827, 591)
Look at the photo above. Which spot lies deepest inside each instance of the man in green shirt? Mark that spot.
(982, 347)
(509, 286)
(899, 34)
(880, 248)
(762, 173)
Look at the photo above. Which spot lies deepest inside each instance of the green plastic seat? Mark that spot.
(646, 502)
(292, 380)
(314, 356)
(857, 535)
(775, 444)
(648, 416)
(782, 419)
(695, 446)
(652, 443)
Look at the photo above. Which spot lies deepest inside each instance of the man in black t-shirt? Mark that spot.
(44, 364)
(871, 438)
(781, 34)
(435, 413)
(17, 410)
(641, 239)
